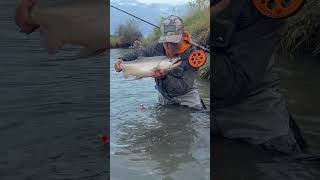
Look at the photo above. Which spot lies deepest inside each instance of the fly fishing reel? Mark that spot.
(278, 8)
(197, 58)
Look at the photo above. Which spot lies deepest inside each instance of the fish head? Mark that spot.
(170, 64)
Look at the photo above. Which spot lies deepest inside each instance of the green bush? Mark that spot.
(204, 71)
(127, 33)
(302, 31)
(197, 20)
(197, 23)
(114, 43)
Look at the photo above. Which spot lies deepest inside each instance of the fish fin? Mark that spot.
(134, 79)
(49, 40)
(125, 74)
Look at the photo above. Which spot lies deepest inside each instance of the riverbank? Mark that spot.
(301, 35)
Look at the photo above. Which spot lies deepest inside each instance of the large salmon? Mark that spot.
(75, 22)
(146, 66)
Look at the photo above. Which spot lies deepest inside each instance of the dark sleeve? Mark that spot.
(240, 67)
(175, 86)
(154, 49)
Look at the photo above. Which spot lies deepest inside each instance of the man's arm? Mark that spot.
(154, 49)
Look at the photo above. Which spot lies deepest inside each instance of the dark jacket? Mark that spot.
(243, 41)
(179, 81)
(247, 104)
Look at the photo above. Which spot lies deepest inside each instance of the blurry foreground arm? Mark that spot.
(60, 23)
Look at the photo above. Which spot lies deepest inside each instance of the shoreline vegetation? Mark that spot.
(300, 35)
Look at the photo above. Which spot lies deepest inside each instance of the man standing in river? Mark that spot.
(177, 86)
(246, 101)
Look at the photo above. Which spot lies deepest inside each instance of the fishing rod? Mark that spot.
(133, 15)
(198, 46)
(188, 41)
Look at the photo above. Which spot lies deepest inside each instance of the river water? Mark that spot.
(52, 109)
(155, 142)
(300, 85)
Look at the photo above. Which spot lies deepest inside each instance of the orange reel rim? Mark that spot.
(197, 58)
(278, 8)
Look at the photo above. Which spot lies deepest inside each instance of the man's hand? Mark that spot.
(117, 65)
(159, 74)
